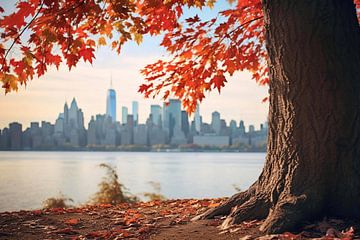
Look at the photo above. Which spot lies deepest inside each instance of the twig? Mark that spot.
(22, 31)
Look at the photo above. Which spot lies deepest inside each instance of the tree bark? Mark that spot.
(312, 167)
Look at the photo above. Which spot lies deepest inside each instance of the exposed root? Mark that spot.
(287, 215)
(226, 208)
(254, 208)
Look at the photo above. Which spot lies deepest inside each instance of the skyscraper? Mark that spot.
(241, 127)
(197, 119)
(135, 112)
(155, 111)
(124, 115)
(185, 127)
(111, 103)
(172, 116)
(73, 115)
(216, 122)
(15, 130)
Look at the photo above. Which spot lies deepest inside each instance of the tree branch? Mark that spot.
(23, 30)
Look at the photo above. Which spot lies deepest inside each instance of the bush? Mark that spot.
(57, 202)
(111, 191)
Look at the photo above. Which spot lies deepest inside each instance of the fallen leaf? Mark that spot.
(72, 221)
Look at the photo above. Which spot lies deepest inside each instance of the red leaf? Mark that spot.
(72, 221)
(87, 54)
(219, 81)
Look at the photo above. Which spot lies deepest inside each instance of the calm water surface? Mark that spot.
(28, 178)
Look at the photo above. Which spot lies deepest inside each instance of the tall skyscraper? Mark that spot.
(135, 112)
(216, 122)
(111, 103)
(66, 113)
(197, 119)
(172, 116)
(15, 130)
(185, 127)
(155, 111)
(242, 127)
(124, 115)
(73, 115)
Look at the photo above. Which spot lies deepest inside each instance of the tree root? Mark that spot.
(256, 207)
(226, 208)
(287, 214)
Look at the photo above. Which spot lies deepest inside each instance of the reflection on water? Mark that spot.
(28, 178)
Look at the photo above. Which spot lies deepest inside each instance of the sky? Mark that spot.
(44, 98)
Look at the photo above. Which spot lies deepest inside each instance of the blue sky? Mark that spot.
(43, 99)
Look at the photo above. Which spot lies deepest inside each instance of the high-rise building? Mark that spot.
(5, 139)
(197, 118)
(140, 135)
(216, 122)
(185, 127)
(111, 104)
(15, 130)
(155, 112)
(172, 116)
(74, 115)
(241, 127)
(92, 138)
(124, 115)
(233, 129)
(59, 124)
(251, 128)
(69, 127)
(135, 112)
(66, 113)
(233, 125)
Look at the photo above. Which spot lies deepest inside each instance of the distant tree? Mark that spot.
(308, 52)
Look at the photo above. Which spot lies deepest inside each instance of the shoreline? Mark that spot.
(124, 150)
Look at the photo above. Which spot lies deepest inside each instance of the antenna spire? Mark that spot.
(111, 81)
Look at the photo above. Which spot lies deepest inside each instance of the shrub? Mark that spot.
(111, 191)
(57, 202)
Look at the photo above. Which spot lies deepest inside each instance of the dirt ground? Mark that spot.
(156, 220)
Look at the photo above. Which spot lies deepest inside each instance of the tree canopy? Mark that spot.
(44, 33)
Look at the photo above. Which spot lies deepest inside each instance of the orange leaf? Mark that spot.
(72, 221)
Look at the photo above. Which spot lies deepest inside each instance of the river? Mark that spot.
(28, 178)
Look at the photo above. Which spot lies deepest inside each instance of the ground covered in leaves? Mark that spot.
(150, 220)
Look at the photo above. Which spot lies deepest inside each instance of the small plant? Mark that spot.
(57, 202)
(152, 196)
(111, 191)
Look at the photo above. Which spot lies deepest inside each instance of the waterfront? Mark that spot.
(28, 178)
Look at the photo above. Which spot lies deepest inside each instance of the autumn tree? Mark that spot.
(308, 52)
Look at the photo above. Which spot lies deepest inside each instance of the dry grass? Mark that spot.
(111, 191)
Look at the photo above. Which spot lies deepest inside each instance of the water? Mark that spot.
(28, 178)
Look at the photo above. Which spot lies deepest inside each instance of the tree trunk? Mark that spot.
(312, 167)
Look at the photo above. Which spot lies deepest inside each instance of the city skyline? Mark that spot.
(158, 109)
(166, 126)
(144, 108)
(125, 111)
